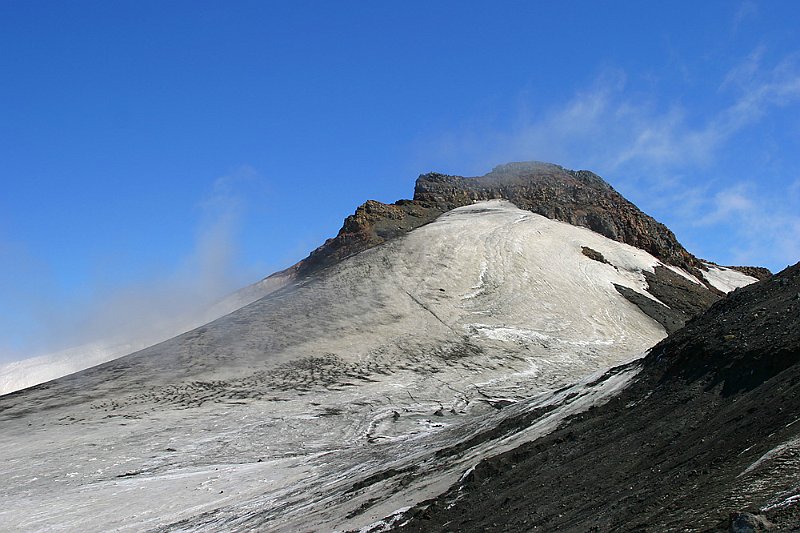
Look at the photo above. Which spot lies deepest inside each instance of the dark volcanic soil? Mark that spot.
(709, 429)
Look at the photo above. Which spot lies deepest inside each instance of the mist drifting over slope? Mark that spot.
(117, 317)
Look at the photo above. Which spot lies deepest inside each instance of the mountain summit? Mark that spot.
(578, 197)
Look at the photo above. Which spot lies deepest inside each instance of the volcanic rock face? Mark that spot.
(372, 224)
(580, 198)
(706, 438)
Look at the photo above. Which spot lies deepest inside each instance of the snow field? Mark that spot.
(322, 406)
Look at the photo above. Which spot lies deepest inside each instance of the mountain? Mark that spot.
(580, 198)
(426, 337)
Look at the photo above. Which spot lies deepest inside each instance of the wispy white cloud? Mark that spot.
(727, 204)
(746, 72)
(794, 190)
(667, 138)
(746, 10)
(767, 231)
(606, 127)
(664, 154)
(156, 306)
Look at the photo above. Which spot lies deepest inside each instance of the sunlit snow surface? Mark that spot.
(726, 279)
(322, 406)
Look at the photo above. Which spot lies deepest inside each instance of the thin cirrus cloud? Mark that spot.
(746, 10)
(656, 153)
(730, 202)
(667, 138)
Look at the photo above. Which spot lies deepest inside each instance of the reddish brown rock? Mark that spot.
(578, 197)
(581, 198)
(372, 224)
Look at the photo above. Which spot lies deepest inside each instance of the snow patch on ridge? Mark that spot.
(726, 279)
(681, 272)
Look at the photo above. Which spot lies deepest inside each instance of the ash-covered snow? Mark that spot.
(330, 404)
(726, 279)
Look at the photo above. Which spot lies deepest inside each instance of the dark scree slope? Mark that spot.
(707, 438)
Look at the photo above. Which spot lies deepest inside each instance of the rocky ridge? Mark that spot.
(578, 197)
(759, 273)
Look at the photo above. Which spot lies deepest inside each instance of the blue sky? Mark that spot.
(162, 153)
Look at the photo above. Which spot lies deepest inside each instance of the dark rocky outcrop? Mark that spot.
(578, 197)
(372, 224)
(671, 319)
(594, 254)
(679, 293)
(707, 438)
(684, 299)
(743, 340)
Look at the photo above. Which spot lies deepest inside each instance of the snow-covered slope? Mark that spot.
(300, 410)
(704, 438)
(25, 373)
(726, 279)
